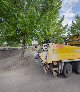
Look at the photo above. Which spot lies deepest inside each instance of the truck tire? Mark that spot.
(67, 70)
(78, 68)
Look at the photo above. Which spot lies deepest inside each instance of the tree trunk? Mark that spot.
(23, 46)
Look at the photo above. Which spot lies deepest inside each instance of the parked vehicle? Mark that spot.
(62, 59)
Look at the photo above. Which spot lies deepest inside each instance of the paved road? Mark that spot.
(33, 79)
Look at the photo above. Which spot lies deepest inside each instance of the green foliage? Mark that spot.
(75, 28)
(28, 19)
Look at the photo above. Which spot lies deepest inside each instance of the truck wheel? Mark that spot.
(67, 69)
(78, 68)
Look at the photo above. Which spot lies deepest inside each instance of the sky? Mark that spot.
(70, 8)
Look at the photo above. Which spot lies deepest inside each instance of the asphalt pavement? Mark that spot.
(33, 79)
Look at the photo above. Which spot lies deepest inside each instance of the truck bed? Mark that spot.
(57, 52)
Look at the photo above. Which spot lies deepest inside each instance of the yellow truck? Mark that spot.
(61, 59)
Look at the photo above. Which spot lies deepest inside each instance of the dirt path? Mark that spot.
(11, 59)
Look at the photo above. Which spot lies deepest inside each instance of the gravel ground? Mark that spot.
(18, 75)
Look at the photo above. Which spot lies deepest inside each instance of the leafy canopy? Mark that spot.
(23, 20)
(75, 28)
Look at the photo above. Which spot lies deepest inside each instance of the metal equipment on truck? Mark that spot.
(61, 59)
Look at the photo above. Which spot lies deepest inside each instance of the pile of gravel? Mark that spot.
(8, 52)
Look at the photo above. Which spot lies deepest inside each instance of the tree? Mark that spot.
(75, 28)
(23, 20)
